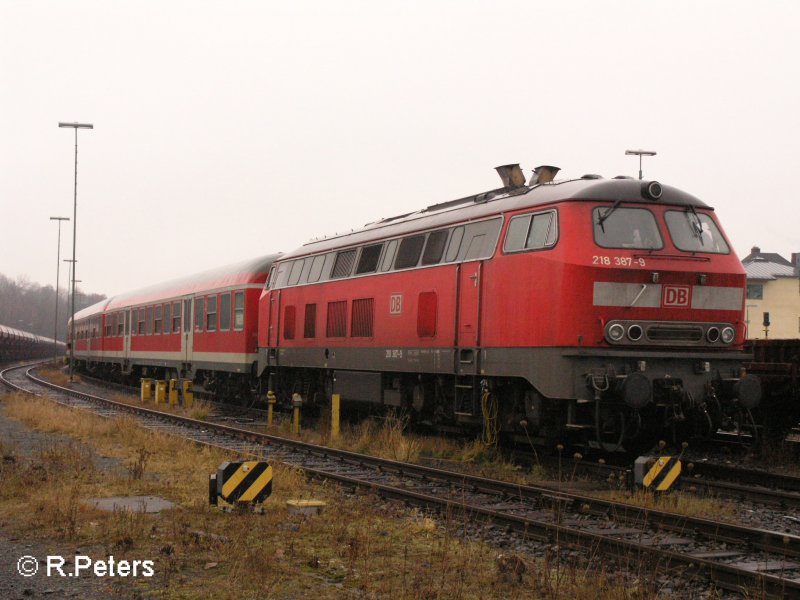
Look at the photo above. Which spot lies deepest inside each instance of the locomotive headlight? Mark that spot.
(634, 333)
(728, 334)
(616, 332)
(712, 335)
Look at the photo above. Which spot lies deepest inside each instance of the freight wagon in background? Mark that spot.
(777, 364)
(601, 312)
(16, 344)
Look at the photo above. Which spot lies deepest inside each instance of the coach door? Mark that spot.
(126, 342)
(468, 311)
(187, 337)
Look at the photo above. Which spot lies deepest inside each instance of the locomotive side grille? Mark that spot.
(674, 333)
(363, 316)
(310, 324)
(337, 319)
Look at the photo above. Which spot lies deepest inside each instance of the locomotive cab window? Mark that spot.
(316, 268)
(531, 232)
(388, 256)
(634, 228)
(695, 232)
(296, 270)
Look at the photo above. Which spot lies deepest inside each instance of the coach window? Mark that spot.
(409, 251)
(121, 324)
(316, 268)
(368, 260)
(127, 318)
(157, 323)
(294, 274)
(176, 317)
(141, 321)
(434, 247)
(388, 256)
(199, 313)
(149, 323)
(225, 312)
(167, 317)
(344, 264)
(238, 311)
(455, 244)
(211, 313)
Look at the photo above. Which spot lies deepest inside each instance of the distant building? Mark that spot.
(773, 286)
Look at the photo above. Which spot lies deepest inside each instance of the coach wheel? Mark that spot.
(609, 427)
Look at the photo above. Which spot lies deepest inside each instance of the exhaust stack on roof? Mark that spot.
(543, 174)
(511, 175)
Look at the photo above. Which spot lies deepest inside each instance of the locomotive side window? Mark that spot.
(344, 264)
(531, 232)
(626, 228)
(409, 251)
(388, 256)
(225, 312)
(316, 268)
(199, 313)
(695, 232)
(310, 324)
(434, 247)
(480, 239)
(238, 311)
(294, 274)
(368, 260)
(211, 313)
(455, 244)
(306, 269)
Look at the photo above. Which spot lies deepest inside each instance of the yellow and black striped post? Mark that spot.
(243, 482)
(662, 474)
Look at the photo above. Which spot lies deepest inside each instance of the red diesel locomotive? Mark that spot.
(606, 312)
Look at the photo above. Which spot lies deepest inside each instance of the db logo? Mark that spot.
(676, 295)
(396, 304)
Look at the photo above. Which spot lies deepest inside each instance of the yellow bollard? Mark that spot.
(161, 391)
(147, 391)
(335, 403)
(173, 392)
(297, 402)
(271, 400)
(188, 395)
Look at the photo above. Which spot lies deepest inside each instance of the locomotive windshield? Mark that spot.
(626, 228)
(695, 232)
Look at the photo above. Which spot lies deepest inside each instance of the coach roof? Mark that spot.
(252, 271)
(498, 201)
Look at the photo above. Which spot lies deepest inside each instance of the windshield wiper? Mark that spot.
(607, 214)
(697, 227)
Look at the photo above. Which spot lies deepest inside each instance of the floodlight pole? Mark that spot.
(75, 126)
(640, 153)
(58, 270)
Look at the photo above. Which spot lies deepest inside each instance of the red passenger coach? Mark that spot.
(601, 311)
(202, 327)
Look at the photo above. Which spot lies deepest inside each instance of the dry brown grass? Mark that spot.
(361, 547)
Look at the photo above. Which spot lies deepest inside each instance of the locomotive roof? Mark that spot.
(588, 188)
(253, 270)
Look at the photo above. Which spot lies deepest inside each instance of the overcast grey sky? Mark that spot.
(227, 130)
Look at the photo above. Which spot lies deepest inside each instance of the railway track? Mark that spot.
(731, 556)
